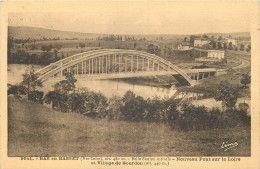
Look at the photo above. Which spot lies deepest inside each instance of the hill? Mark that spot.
(35, 130)
(22, 32)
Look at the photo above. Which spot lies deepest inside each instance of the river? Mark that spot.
(107, 87)
(111, 87)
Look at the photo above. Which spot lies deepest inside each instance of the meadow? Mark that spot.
(36, 130)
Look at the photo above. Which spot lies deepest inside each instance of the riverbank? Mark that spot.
(165, 81)
(35, 130)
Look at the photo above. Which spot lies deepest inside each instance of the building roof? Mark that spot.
(204, 39)
(216, 51)
(185, 43)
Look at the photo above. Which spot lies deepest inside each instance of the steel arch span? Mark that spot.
(112, 63)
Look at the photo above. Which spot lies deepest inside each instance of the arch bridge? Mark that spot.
(113, 63)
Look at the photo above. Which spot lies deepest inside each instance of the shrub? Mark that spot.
(16, 90)
(113, 109)
(133, 107)
(242, 114)
(36, 96)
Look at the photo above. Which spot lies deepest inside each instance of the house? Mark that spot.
(184, 46)
(218, 54)
(200, 42)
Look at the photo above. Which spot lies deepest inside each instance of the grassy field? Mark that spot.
(35, 130)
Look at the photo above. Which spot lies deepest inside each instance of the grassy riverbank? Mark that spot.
(35, 130)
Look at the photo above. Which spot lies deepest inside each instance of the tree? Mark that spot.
(82, 45)
(56, 58)
(246, 79)
(31, 81)
(133, 106)
(114, 111)
(16, 90)
(214, 44)
(134, 45)
(65, 86)
(205, 36)
(220, 38)
(230, 46)
(242, 47)
(228, 94)
(185, 39)
(192, 37)
(153, 49)
(55, 53)
(33, 47)
(248, 49)
(45, 58)
(225, 46)
(219, 45)
(58, 100)
(46, 48)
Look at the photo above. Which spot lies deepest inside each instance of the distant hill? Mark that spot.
(22, 32)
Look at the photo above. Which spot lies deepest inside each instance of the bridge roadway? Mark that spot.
(141, 74)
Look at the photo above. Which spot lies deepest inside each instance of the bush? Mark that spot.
(133, 107)
(36, 96)
(16, 90)
(113, 109)
(242, 113)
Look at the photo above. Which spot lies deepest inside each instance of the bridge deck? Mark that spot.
(138, 74)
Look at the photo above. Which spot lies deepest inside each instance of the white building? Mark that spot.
(184, 46)
(201, 42)
(218, 54)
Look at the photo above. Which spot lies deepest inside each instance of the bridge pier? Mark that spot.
(106, 63)
(119, 61)
(132, 60)
(143, 65)
(92, 66)
(125, 64)
(61, 73)
(148, 68)
(115, 64)
(153, 65)
(137, 63)
(81, 68)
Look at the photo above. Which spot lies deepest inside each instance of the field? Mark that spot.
(35, 130)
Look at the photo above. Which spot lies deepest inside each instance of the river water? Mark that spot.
(107, 87)
(111, 87)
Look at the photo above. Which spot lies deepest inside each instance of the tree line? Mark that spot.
(66, 98)
(217, 43)
(23, 57)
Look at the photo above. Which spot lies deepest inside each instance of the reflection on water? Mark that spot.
(15, 72)
(107, 87)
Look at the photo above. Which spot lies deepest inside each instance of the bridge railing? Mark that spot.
(52, 66)
(55, 67)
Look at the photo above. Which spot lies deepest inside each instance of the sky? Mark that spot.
(138, 20)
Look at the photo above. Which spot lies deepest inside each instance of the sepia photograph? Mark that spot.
(130, 82)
